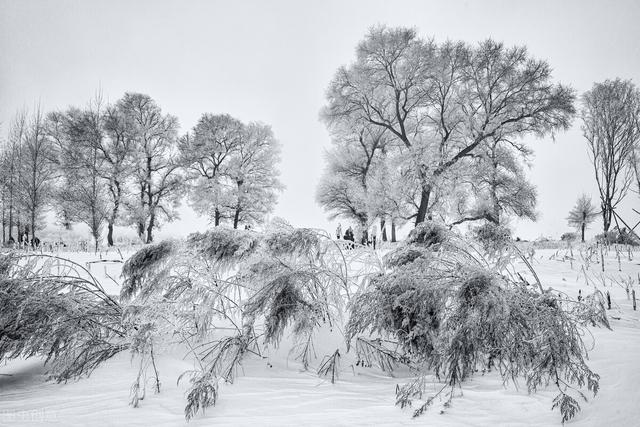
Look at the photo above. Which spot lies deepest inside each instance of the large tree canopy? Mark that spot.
(231, 168)
(441, 102)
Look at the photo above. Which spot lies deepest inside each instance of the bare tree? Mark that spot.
(36, 171)
(635, 161)
(10, 167)
(610, 115)
(443, 102)
(582, 214)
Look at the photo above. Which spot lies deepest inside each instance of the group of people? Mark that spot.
(35, 244)
(366, 238)
(24, 242)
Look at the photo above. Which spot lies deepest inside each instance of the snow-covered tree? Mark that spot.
(343, 190)
(582, 214)
(443, 102)
(10, 167)
(496, 184)
(206, 154)
(610, 125)
(116, 152)
(36, 171)
(635, 160)
(157, 182)
(253, 173)
(393, 191)
(232, 169)
(81, 195)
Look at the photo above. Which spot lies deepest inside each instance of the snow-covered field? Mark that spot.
(275, 391)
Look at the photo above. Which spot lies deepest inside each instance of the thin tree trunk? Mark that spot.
(583, 227)
(152, 219)
(116, 191)
(4, 219)
(110, 233)
(33, 223)
(383, 229)
(424, 204)
(143, 191)
(216, 216)
(606, 217)
(236, 217)
(140, 229)
(393, 231)
(11, 219)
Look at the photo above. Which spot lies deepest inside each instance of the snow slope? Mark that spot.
(275, 391)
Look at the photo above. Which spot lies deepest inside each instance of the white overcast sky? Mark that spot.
(271, 61)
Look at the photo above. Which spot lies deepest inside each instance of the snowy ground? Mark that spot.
(269, 392)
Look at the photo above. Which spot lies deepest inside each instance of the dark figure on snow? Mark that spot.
(348, 235)
(374, 236)
(365, 237)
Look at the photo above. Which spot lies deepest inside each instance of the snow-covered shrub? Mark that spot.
(148, 261)
(397, 304)
(623, 237)
(428, 233)
(454, 313)
(67, 318)
(436, 304)
(285, 280)
(493, 237)
(224, 246)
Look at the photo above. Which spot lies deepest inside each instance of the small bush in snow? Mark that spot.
(493, 237)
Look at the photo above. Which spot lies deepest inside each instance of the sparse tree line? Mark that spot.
(126, 163)
(423, 129)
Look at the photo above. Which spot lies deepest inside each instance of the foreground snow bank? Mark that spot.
(270, 393)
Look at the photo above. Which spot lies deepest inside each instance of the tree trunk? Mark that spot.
(11, 220)
(140, 230)
(236, 217)
(33, 224)
(143, 191)
(393, 231)
(216, 216)
(583, 227)
(424, 204)
(4, 219)
(152, 219)
(606, 218)
(383, 229)
(110, 233)
(114, 212)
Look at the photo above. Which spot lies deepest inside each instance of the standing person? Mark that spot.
(374, 235)
(365, 236)
(339, 231)
(348, 235)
